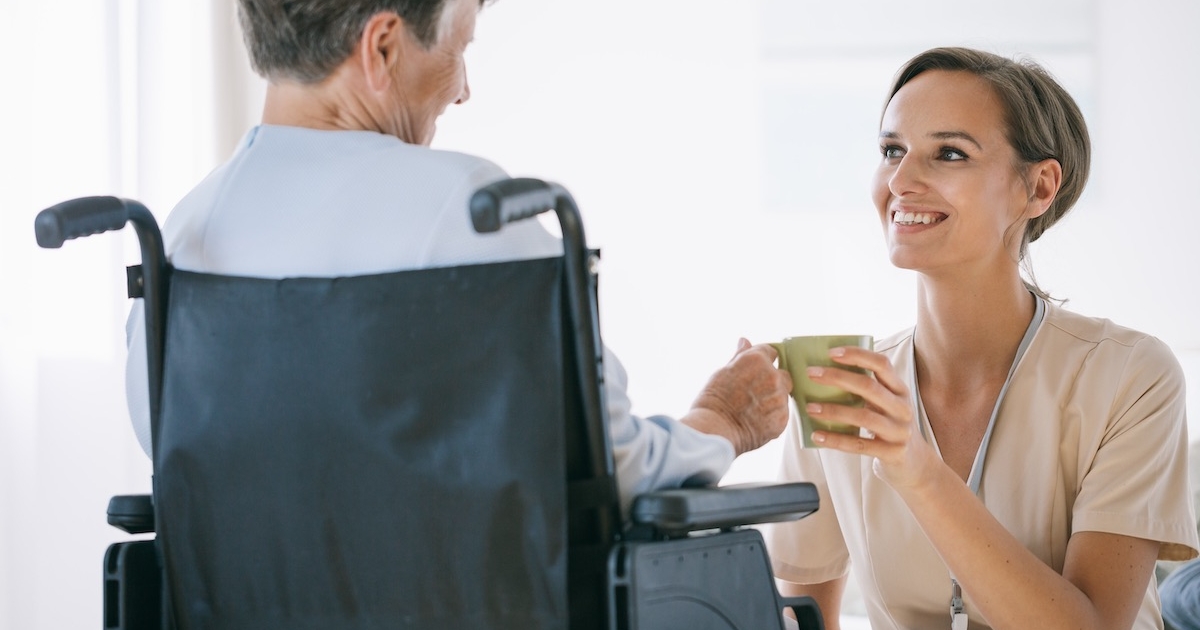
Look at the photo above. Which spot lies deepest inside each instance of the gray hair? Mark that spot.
(304, 40)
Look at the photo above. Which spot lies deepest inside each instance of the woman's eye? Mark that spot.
(952, 155)
(891, 152)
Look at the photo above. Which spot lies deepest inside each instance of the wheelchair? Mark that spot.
(416, 449)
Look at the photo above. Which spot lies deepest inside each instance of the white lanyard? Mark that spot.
(958, 615)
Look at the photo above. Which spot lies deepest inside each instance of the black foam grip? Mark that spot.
(79, 217)
(510, 200)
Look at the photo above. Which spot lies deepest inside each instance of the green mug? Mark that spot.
(796, 354)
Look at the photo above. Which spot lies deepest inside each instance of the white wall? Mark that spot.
(661, 118)
(665, 120)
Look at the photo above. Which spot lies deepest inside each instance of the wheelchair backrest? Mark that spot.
(326, 444)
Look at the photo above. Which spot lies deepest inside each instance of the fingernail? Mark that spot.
(816, 371)
(837, 352)
(818, 437)
(813, 407)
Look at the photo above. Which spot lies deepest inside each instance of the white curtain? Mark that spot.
(101, 97)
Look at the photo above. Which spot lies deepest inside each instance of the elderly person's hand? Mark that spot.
(746, 401)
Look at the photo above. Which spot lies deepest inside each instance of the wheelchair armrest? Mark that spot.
(808, 614)
(680, 510)
(132, 513)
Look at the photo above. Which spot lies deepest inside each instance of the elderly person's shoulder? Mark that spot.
(372, 157)
(349, 144)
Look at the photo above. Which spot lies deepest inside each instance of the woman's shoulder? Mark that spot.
(1100, 343)
(1074, 328)
(1089, 329)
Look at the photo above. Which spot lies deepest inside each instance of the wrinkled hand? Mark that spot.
(746, 401)
(902, 457)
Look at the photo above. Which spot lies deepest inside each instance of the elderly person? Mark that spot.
(339, 180)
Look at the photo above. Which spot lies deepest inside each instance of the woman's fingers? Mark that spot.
(873, 361)
(869, 447)
(887, 400)
(883, 427)
(890, 434)
(887, 411)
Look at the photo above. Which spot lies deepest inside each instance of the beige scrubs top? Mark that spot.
(1091, 436)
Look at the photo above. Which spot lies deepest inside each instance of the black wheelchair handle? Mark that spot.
(85, 216)
(77, 218)
(511, 200)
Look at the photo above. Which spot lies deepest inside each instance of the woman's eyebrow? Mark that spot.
(938, 135)
(960, 135)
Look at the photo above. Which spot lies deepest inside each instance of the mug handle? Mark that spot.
(782, 356)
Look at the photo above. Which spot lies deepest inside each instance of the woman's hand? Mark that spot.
(892, 438)
(1104, 575)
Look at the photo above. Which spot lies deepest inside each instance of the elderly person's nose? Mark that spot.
(466, 91)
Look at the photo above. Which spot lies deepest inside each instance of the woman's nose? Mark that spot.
(907, 176)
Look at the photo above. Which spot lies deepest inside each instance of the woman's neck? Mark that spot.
(968, 334)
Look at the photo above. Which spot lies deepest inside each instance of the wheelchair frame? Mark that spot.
(642, 589)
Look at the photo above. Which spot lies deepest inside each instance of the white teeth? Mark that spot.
(912, 218)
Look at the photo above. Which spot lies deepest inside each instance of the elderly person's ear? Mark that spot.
(379, 48)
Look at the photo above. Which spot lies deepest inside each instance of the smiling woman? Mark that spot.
(954, 169)
(1034, 151)
(1019, 465)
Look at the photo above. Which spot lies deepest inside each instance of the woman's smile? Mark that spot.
(901, 218)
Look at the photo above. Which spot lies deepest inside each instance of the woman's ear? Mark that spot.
(379, 49)
(1046, 179)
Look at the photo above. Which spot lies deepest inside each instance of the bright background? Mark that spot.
(720, 153)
